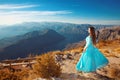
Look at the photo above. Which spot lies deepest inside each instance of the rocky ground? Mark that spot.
(69, 72)
(68, 60)
(110, 72)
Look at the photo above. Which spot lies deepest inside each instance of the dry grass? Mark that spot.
(108, 43)
(17, 75)
(114, 72)
(55, 52)
(101, 44)
(46, 67)
(110, 48)
(117, 50)
(73, 51)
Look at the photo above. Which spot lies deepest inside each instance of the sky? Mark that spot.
(70, 11)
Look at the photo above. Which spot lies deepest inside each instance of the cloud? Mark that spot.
(32, 13)
(17, 13)
(15, 6)
(13, 17)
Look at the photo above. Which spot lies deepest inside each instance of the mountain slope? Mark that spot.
(35, 42)
(110, 33)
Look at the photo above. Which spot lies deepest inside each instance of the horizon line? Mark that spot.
(57, 22)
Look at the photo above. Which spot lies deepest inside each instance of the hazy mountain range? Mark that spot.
(22, 39)
(33, 42)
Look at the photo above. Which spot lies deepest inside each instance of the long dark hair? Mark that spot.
(92, 34)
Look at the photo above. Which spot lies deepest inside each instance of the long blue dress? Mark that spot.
(91, 59)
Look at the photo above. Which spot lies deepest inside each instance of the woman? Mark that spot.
(91, 58)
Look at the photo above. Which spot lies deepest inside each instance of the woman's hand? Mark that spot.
(94, 46)
(84, 49)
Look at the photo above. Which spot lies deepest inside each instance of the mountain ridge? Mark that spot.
(110, 33)
(33, 44)
(71, 32)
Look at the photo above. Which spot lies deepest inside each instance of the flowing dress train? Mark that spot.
(91, 59)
